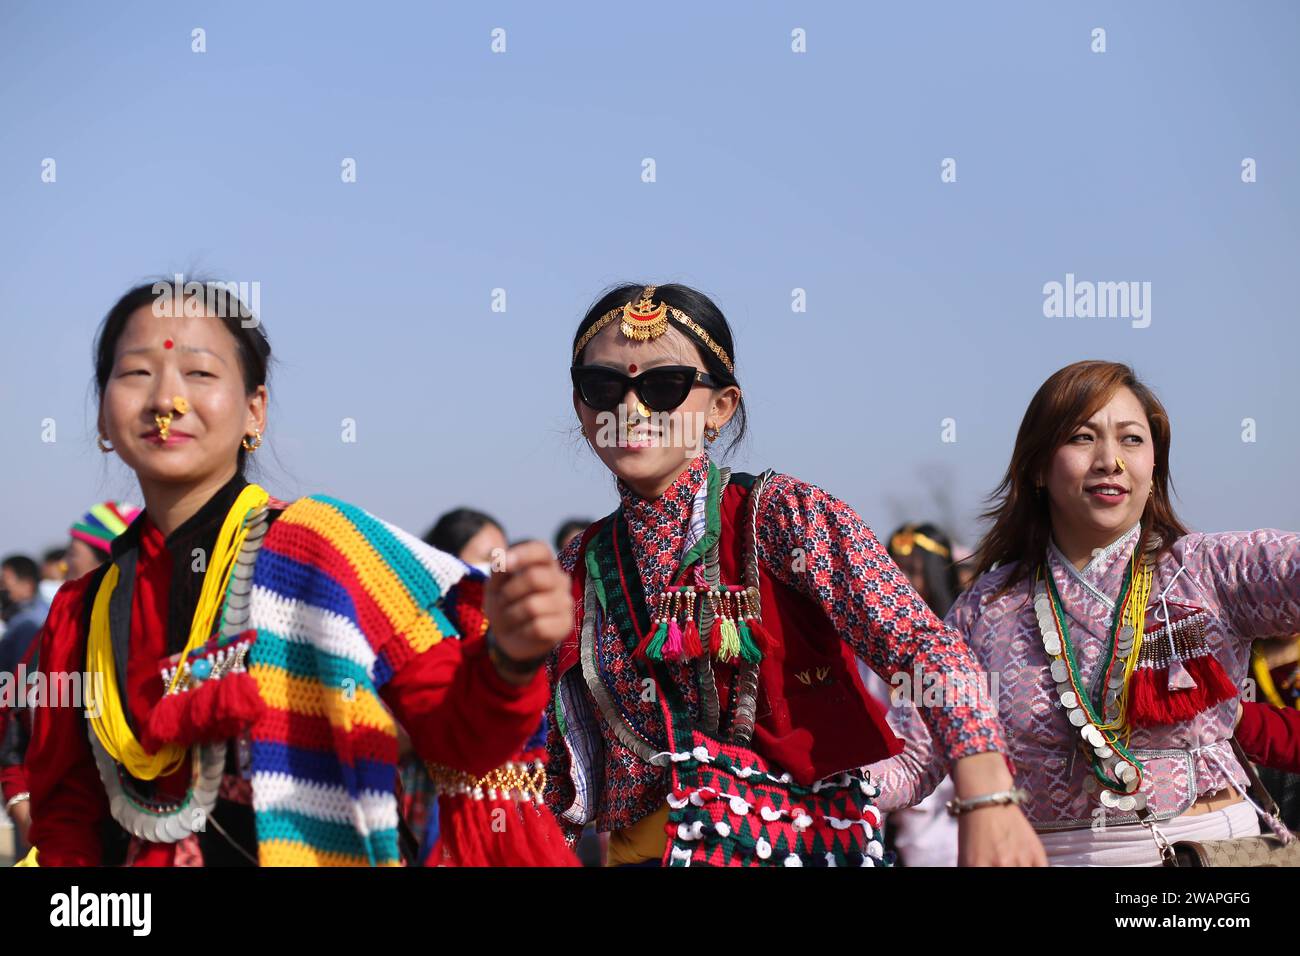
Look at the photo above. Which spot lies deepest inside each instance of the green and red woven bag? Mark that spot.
(729, 807)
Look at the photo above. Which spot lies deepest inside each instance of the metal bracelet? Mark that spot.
(1015, 796)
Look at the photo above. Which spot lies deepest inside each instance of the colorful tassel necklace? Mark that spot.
(675, 632)
(737, 632)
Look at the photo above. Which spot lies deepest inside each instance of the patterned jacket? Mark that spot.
(817, 545)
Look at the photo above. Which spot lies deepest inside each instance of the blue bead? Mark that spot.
(201, 669)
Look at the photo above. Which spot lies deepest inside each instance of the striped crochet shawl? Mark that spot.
(340, 601)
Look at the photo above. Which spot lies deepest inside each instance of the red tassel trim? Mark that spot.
(1152, 703)
(761, 635)
(691, 646)
(215, 710)
(498, 832)
(644, 647)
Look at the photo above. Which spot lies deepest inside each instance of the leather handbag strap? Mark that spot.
(1267, 806)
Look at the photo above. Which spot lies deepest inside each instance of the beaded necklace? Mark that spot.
(1116, 772)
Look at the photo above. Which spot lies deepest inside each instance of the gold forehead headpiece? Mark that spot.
(643, 320)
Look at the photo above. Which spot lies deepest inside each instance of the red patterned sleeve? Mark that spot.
(818, 545)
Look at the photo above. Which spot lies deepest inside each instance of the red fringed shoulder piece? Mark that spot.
(1177, 675)
(215, 698)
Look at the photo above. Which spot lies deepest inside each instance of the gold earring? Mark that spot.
(257, 441)
(711, 433)
(104, 446)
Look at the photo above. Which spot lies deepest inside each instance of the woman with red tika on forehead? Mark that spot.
(249, 659)
(1120, 637)
(707, 709)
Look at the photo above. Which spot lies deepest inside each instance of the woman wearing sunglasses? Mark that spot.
(256, 654)
(707, 708)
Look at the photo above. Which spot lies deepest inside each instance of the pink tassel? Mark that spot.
(673, 645)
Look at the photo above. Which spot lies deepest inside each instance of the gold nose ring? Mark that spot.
(164, 422)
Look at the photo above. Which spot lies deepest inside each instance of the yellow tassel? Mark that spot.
(730, 648)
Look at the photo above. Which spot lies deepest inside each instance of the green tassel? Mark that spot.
(655, 651)
(748, 649)
(730, 648)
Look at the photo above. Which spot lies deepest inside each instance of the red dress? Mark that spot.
(456, 708)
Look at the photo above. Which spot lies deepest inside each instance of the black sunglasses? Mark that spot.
(661, 389)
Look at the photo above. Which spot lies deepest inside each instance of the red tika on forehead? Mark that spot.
(168, 344)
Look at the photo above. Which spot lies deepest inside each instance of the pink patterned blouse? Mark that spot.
(1238, 586)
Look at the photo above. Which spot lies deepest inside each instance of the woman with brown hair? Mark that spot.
(1119, 636)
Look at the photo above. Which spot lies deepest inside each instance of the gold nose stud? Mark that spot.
(164, 422)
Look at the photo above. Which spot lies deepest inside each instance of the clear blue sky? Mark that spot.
(775, 170)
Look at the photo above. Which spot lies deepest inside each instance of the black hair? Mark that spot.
(23, 568)
(699, 307)
(940, 573)
(454, 529)
(54, 554)
(251, 343)
(569, 527)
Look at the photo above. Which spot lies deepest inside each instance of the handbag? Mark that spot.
(1279, 848)
(729, 807)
